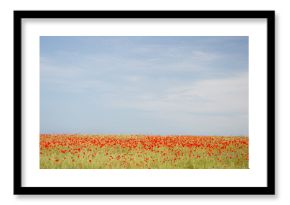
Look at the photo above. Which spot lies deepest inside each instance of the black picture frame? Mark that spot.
(268, 190)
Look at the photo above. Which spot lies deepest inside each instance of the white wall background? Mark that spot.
(282, 98)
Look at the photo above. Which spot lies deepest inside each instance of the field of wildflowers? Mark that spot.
(142, 152)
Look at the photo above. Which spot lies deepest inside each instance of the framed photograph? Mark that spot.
(144, 102)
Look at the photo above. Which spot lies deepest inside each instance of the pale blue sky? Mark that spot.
(144, 85)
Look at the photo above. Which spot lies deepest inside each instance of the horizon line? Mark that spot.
(161, 135)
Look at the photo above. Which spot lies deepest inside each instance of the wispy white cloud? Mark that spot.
(206, 96)
(203, 56)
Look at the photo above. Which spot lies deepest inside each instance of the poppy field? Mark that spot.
(143, 152)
